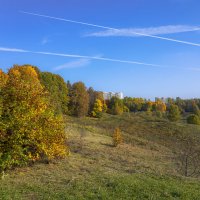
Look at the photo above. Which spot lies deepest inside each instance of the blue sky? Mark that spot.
(176, 65)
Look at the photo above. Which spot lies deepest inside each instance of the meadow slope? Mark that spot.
(143, 167)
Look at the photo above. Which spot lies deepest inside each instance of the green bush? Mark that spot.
(174, 113)
(193, 119)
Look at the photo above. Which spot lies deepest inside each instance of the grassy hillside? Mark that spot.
(143, 167)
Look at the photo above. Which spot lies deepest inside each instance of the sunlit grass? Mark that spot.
(143, 167)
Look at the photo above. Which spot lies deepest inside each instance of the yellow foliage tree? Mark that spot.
(105, 107)
(160, 106)
(117, 137)
(29, 130)
(3, 79)
(98, 108)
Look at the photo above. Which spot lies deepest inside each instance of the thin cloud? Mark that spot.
(161, 30)
(13, 50)
(113, 29)
(194, 69)
(73, 64)
(44, 41)
(78, 56)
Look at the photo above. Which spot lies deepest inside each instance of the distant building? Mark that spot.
(162, 99)
(109, 95)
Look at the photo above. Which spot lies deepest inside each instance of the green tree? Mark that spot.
(29, 130)
(105, 107)
(79, 100)
(115, 106)
(58, 91)
(125, 109)
(134, 104)
(174, 113)
(196, 110)
(92, 99)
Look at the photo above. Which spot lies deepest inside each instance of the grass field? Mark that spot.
(143, 167)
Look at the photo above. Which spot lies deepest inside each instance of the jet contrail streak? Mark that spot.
(15, 50)
(77, 56)
(110, 28)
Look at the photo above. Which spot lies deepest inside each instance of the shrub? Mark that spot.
(117, 137)
(174, 113)
(196, 110)
(193, 119)
(125, 109)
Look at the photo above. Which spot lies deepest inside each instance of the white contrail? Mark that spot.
(110, 28)
(5, 49)
(160, 30)
(13, 50)
(77, 56)
(97, 58)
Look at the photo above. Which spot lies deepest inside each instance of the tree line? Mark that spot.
(33, 103)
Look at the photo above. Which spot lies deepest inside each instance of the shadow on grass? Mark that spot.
(106, 144)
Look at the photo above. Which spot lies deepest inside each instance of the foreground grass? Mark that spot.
(141, 168)
(98, 186)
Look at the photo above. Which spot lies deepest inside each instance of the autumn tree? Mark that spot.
(57, 89)
(3, 80)
(148, 106)
(79, 100)
(181, 104)
(117, 137)
(115, 106)
(93, 96)
(134, 104)
(29, 129)
(98, 109)
(129, 103)
(174, 113)
(160, 106)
